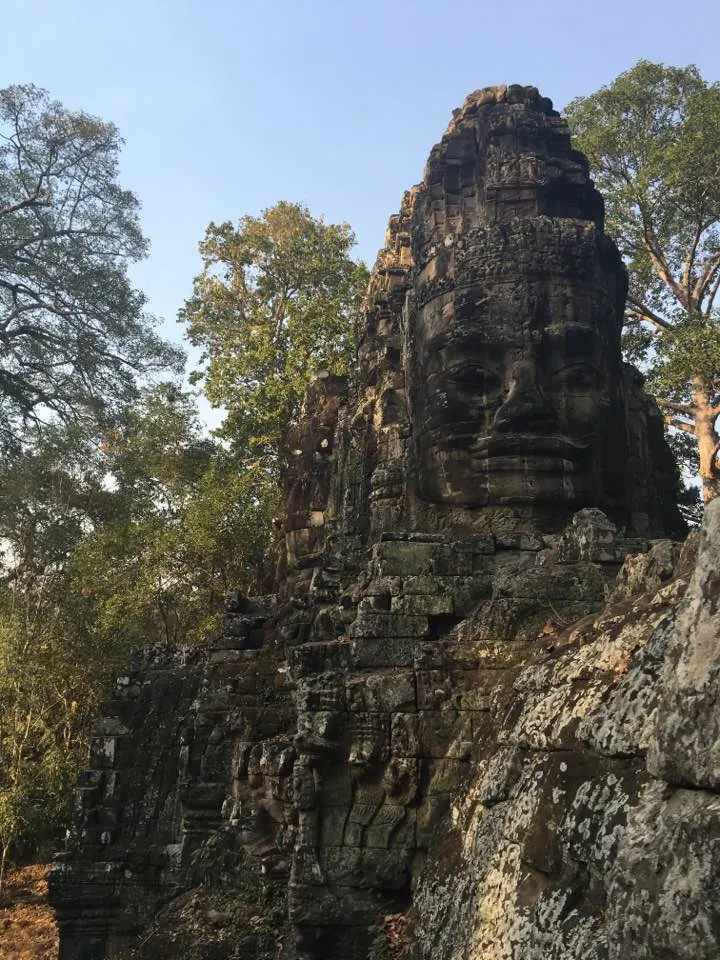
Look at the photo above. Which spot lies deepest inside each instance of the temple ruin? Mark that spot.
(477, 705)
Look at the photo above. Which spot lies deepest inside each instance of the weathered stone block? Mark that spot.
(404, 736)
(521, 620)
(318, 906)
(383, 586)
(685, 746)
(425, 584)
(321, 693)
(402, 781)
(403, 558)
(332, 826)
(445, 776)
(464, 690)
(575, 582)
(102, 752)
(430, 817)
(313, 658)
(336, 786)
(445, 733)
(379, 602)
(424, 604)
(519, 541)
(359, 818)
(368, 867)
(390, 652)
(388, 692)
(470, 654)
(386, 625)
(392, 827)
(369, 737)
(467, 592)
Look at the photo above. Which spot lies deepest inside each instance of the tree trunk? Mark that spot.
(708, 440)
(3, 863)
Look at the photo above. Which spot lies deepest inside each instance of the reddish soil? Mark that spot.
(27, 927)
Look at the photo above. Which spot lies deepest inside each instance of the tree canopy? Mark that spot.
(276, 302)
(74, 334)
(108, 546)
(652, 138)
(76, 350)
(122, 521)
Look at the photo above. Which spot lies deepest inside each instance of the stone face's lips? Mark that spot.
(523, 445)
(515, 445)
(551, 464)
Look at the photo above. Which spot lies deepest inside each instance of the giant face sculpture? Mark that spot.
(512, 328)
(516, 398)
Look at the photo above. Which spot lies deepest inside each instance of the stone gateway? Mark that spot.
(478, 719)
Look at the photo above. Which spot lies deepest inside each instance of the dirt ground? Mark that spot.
(27, 928)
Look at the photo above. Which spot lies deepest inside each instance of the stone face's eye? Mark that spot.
(576, 375)
(471, 377)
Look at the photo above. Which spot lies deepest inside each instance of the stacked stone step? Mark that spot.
(393, 714)
(122, 852)
(244, 700)
(364, 743)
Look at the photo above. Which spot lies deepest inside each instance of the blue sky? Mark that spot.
(227, 107)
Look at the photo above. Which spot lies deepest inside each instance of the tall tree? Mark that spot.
(92, 567)
(74, 334)
(189, 523)
(275, 303)
(54, 663)
(653, 142)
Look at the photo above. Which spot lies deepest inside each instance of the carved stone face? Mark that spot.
(516, 398)
(512, 326)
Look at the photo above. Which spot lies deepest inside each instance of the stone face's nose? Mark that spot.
(525, 405)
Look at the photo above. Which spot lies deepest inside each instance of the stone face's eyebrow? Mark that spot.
(574, 334)
(475, 340)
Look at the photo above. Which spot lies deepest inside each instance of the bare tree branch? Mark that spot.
(712, 292)
(33, 201)
(659, 262)
(680, 425)
(687, 408)
(709, 271)
(640, 311)
(686, 273)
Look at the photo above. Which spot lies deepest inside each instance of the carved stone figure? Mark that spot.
(513, 327)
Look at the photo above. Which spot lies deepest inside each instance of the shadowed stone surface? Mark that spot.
(475, 720)
(514, 321)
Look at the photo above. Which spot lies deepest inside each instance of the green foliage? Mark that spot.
(53, 661)
(276, 303)
(122, 523)
(74, 341)
(653, 142)
(74, 335)
(189, 524)
(47, 694)
(690, 349)
(107, 547)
